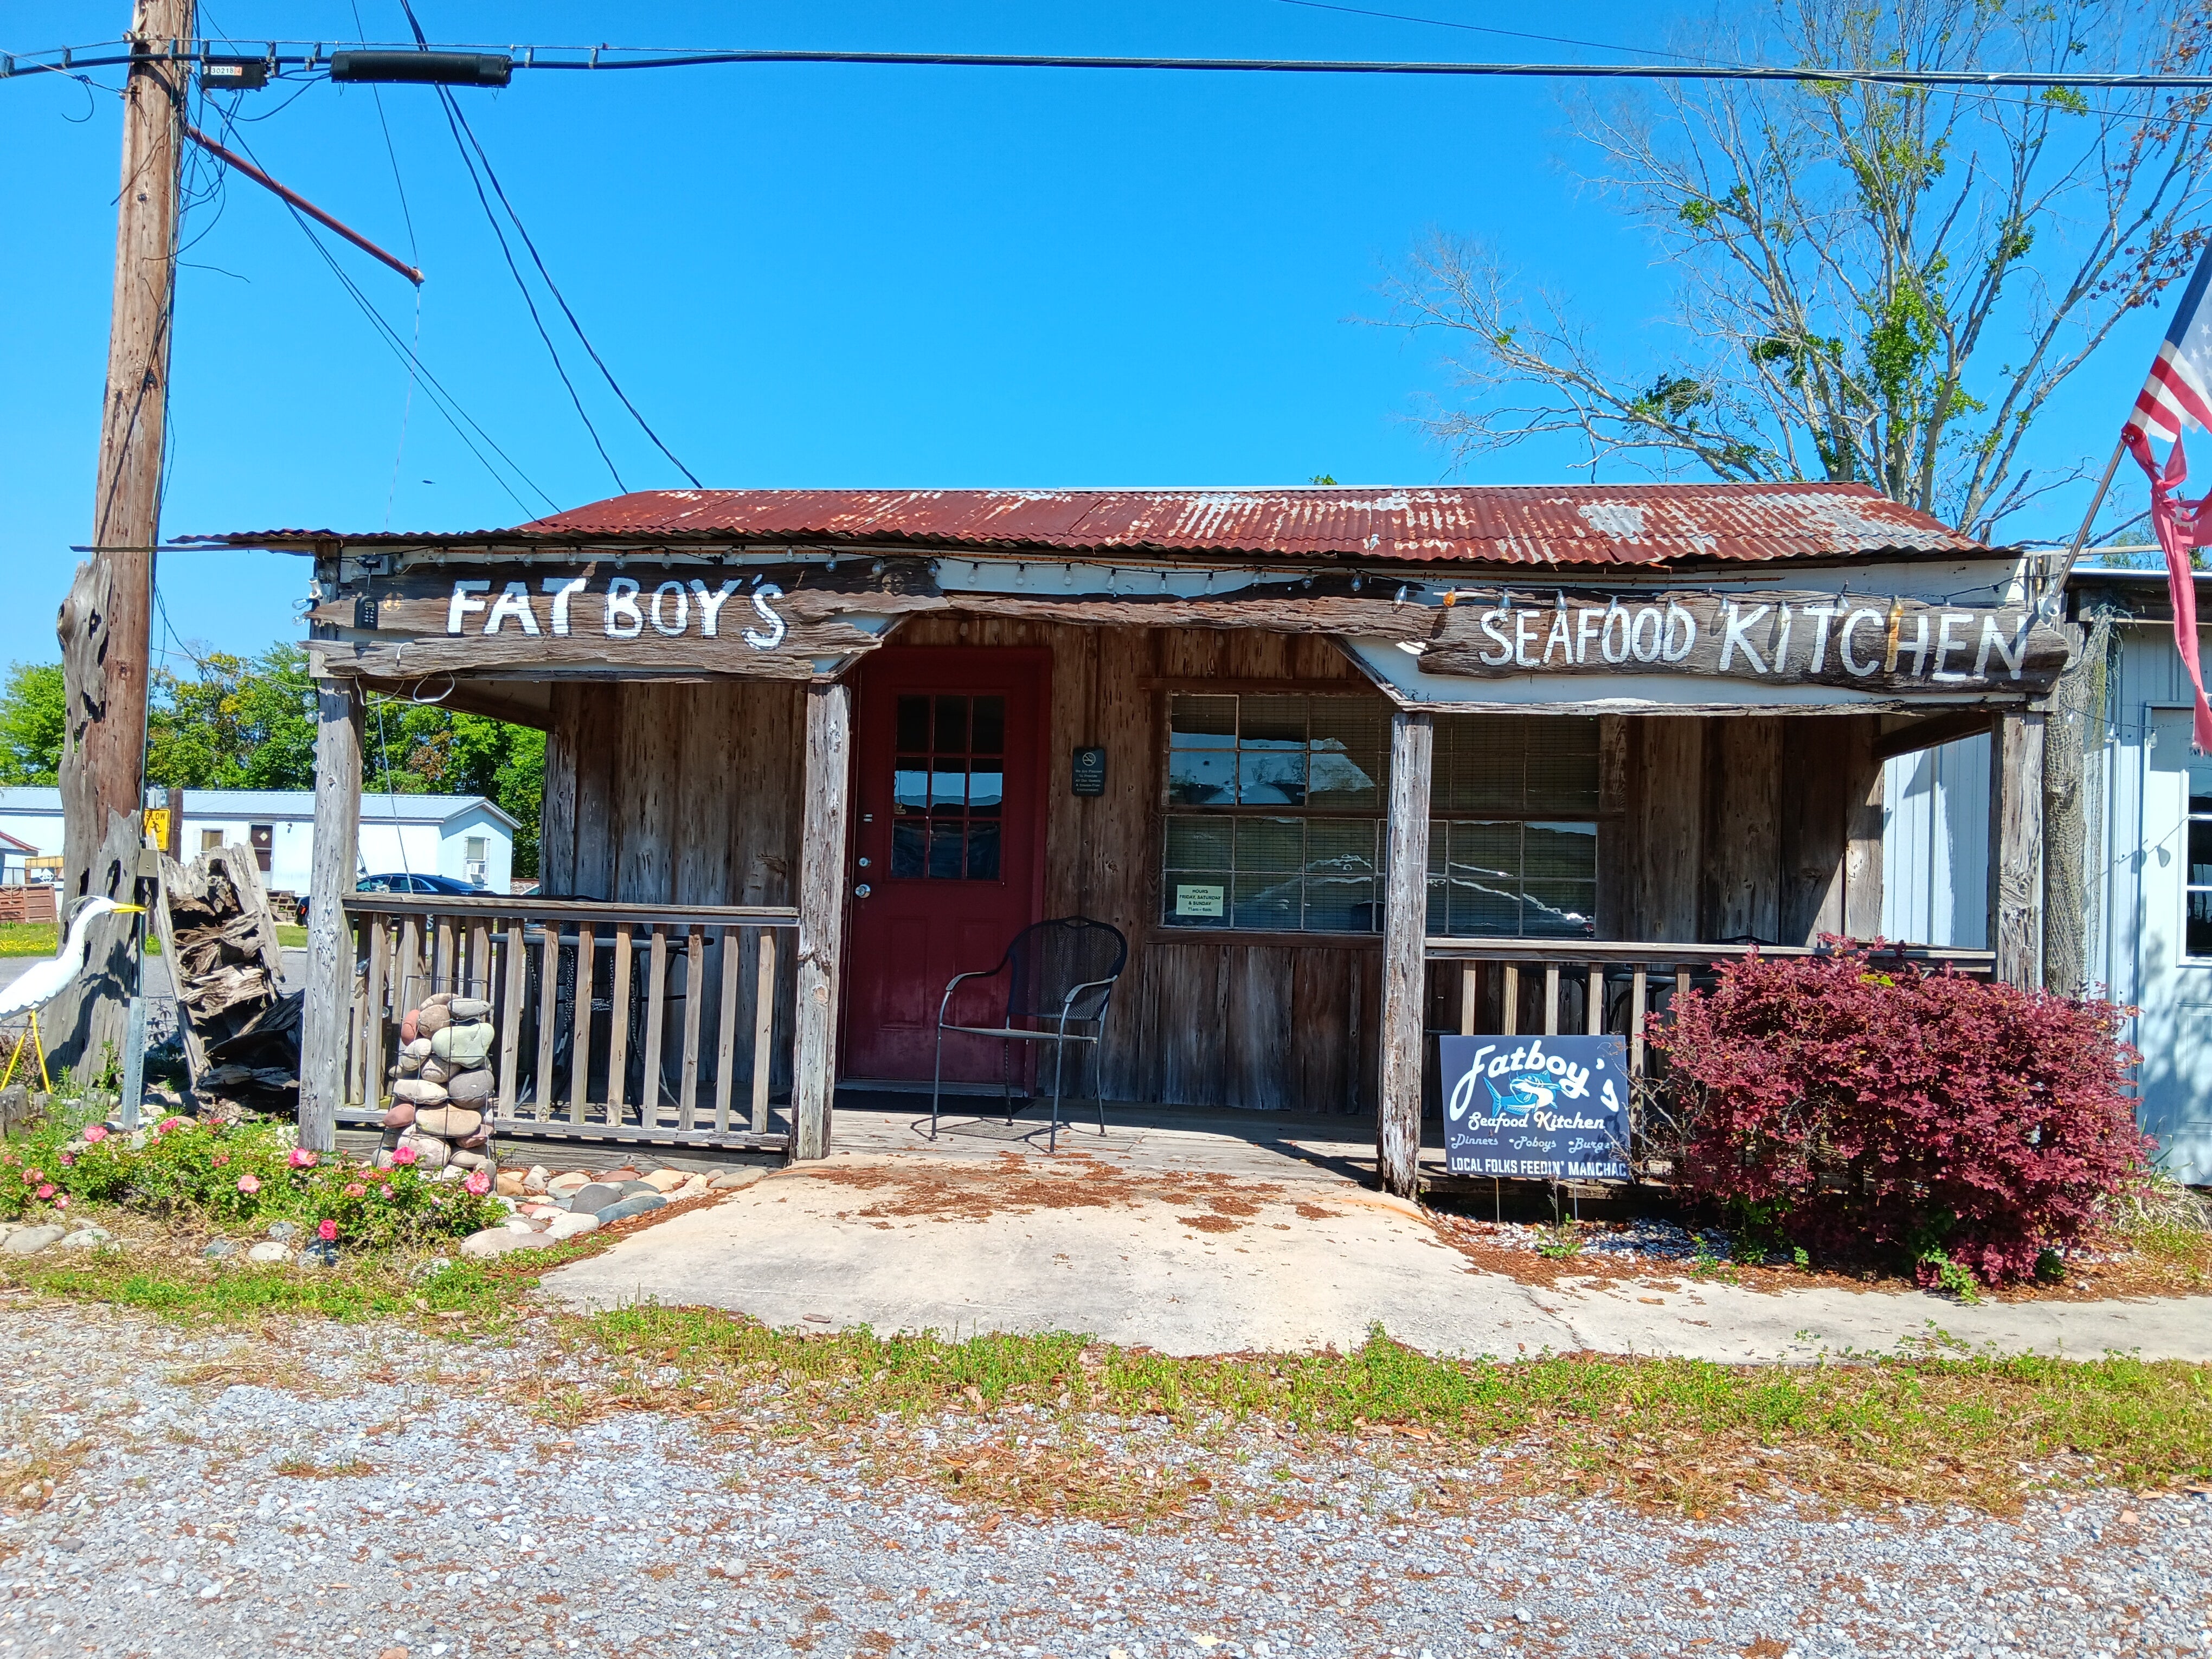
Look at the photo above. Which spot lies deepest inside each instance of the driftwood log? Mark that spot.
(241, 1033)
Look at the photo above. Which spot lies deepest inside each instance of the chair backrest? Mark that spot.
(1048, 959)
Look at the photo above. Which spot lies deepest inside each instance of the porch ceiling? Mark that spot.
(1537, 525)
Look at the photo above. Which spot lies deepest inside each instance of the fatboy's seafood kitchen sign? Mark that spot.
(1547, 1107)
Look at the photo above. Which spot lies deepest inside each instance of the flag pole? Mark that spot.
(2055, 585)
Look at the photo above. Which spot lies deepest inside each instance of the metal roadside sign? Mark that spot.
(1541, 1108)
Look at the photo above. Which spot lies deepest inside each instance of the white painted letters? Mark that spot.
(768, 638)
(564, 589)
(1734, 638)
(461, 603)
(682, 595)
(514, 601)
(710, 605)
(624, 620)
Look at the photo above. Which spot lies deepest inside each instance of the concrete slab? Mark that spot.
(1192, 1261)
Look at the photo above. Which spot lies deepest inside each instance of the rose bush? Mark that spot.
(1857, 1106)
(250, 1173)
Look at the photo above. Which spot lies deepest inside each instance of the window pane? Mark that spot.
(1341, 904)
(910, 784)
(1565, 909)
(1562, 765)
(1269, 902)
(1197, 900)
(1558, 851)
(2200, 855)
(1478, 763)
(1272, 722)
(1200, 843)
(948, 790)
(947, 854)
(1347, 747)
(2200, 786)
(1340, 846)
(989, 735)
(1202, 777)
(914, 722)
(1270, 844)
(986, 788)
(1270, 777)
(908, 840)
(952, 726)
(983, 849)
(1202, 722)
(2200, 925)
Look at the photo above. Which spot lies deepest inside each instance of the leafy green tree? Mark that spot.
(240, 723)
(33, 709)
(426, 748)
(1872, 282)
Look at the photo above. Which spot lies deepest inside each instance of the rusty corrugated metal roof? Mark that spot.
(1561, 524)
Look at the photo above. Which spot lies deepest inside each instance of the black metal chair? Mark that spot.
(1060, 974)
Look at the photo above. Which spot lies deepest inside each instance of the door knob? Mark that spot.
(862, 891)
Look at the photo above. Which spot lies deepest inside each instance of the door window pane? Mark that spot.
(945, 800)
(988, 734)
(912, 723)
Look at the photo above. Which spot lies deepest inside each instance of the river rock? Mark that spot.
(469, 1008)
(636, 1204)
(270, 1249)
(537, 1179)
(567, 1184)
(86, 1238)
(463, 1046)
(498, 1241)
(319, 1253)
(407, 1032)
(571, 1225)
(218, 1249)
(462, 1158)
(665, 1180)
(466, 1087)
(416, 1092)
(509, 1184)
(730, 1181)
(592, 1198)
(432, 1018)
(283, 1230)
(430, 1152)
(438, 999)
(400, 1116)
(434, 1070)
(408, 1066)
(449, 1122)
(33, 1239)
(416, 1049)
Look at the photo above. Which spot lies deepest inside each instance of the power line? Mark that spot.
(1482, 28)
(460, 122)
(315, 59)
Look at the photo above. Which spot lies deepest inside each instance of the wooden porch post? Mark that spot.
(1405, 928)
(820, 913)
(330, 940)
(2016, 847)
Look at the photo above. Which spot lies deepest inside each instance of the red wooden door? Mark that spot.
(948, 849)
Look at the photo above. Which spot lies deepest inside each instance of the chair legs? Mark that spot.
(937, 1082)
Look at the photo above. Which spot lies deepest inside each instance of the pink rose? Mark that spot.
(327, 1231)
(478, 1182)
(69, 1159)
(249, 1185)
(302, 1159)
(34, 1174)
(97, 1133)
(62, 1203)
(45, 1191)
(355, 1189)
(403, 1156)
(169, 1124)
(219, 1159)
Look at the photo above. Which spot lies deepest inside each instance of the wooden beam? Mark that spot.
(824, 813)
(329, 937)
(1932, 729)
(2016, 849)
(1405, 922)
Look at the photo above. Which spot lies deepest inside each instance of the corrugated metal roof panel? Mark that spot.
(1565, 524)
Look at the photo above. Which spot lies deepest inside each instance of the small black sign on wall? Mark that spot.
(1090, 771)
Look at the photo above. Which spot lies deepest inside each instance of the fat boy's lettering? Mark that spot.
(1776, 637)
(671, 609)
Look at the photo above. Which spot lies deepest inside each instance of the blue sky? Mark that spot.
(804, 276)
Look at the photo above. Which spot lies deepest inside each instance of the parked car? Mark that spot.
(411, 883)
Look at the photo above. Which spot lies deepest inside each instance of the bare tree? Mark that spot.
(1877, 283)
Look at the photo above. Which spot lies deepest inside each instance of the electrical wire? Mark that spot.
(460, 122)
(1484, 28)
(446, 404)
(414, 257)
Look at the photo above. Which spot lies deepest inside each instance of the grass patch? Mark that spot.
(1041, 1424)
(300, 1468)
(28, 939)
(288, 935)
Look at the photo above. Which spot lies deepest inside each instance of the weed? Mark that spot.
(1944, 1274)
(1560, 1241)
(300, 1468)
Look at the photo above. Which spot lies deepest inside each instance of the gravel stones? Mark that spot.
(31, 1240)
(593, 1196)
(636, 1204)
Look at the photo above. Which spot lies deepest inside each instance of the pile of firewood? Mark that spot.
(242, 1032)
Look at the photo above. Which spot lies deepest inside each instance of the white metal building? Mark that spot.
(2147, 864)
(464, 836)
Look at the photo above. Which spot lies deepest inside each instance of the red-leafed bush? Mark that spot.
(1855, 1105)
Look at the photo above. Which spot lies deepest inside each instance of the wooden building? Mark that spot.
(1346, 767)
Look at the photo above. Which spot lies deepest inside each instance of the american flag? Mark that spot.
(2177, 393)
(2180, 385)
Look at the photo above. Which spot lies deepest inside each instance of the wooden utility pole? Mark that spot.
(105, 623)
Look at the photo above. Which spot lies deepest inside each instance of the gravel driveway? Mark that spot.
(348, 1491)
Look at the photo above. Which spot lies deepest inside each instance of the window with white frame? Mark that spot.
(2196, 888)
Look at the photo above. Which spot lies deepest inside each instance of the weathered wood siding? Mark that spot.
(1711, 827)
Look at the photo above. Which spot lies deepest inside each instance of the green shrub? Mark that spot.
(237, 1175)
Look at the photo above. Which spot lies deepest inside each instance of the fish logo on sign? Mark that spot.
(1524, 1092)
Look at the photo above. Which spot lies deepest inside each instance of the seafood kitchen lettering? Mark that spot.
(625, 609)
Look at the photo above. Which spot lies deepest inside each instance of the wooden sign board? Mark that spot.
(1871, 642)
(767, 621)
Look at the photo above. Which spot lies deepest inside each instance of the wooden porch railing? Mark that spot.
(595, 1038)
(1601, 987)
